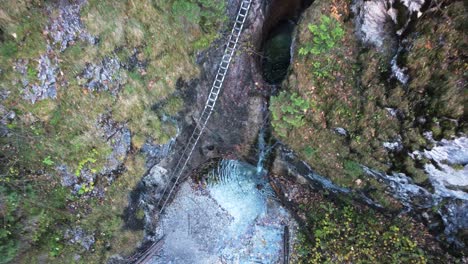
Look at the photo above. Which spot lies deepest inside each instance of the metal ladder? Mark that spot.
(178, 170)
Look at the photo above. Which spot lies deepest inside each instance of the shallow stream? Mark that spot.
(233, 217)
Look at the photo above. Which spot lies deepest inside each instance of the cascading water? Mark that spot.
(261, 151)
(232, 219)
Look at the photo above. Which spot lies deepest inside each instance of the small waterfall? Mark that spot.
(262, 150)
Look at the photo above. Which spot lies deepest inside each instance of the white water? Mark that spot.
(234, 221)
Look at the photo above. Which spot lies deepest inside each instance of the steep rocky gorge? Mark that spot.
(348, 109)
(375, 57)
(374, 102)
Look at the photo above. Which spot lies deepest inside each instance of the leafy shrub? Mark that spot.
(346, 234)
(8, 244)
(8, 250)
(48, 161)
(288, 111)
(325, 36)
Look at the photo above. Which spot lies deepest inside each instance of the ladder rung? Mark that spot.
(194, 137)
(212, 97)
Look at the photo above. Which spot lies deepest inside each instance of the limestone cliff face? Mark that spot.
(233, 128)
(388, 88)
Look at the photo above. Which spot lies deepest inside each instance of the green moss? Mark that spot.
(344, 233)
(8, 49)
(326, 35)
(353, 169)
(65, 130)
(288, 112)
(353, 93)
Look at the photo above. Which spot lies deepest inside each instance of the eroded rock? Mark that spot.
(67, 27)
(46, 87)
(79, 236)
(104, 76)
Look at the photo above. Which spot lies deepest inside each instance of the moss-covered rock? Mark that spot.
(350, 86)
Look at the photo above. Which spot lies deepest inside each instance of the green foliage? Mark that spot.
(288, 111)
(42, 218)
(55, 245)
(204, 41)
(86, 188)
(309, 151)
(172, 106)
(8, 49)
(91, 159)
(32, 73)
(325, 36)
(188, 9)
(353, 169)
(8, 250)
(345, 234)
(9, 225)
(42, 226)
(47, 161)
(205, 13)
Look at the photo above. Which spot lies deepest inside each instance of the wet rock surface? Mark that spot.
(231, 221)
(234, 126)
(156, 152)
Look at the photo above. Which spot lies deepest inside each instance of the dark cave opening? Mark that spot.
(278, 31)
(276, 52)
